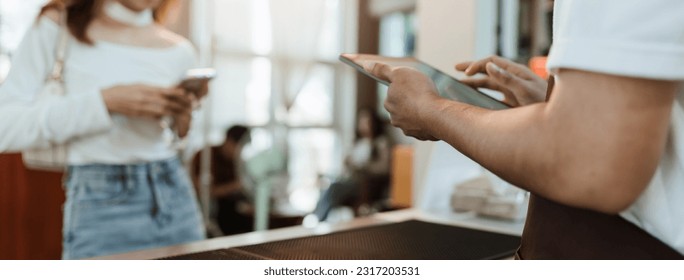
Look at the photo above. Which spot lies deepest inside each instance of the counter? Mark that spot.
(466, 220)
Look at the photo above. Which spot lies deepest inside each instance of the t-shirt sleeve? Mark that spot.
(633, 38)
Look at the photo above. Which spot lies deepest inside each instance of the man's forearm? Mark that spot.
(568, 160)
(498, 140)
(595, 144)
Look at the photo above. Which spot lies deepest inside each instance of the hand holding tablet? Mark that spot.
(447, 86)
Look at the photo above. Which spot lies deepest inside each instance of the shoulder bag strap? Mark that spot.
(61, 48)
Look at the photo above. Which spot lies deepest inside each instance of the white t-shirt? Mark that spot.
(634, 38)
(81, 118)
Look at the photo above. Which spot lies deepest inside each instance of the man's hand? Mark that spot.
(410, 96)
(518, 83)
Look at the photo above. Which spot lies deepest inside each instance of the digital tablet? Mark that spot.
(448, 87)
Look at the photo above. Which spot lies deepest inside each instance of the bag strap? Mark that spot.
(61, 48)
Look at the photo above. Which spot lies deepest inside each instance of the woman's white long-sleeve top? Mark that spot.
(80, 118)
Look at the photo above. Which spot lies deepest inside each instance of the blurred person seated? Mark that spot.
(366, 182)
(225, 186)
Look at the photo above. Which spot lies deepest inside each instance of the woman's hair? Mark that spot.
(376, 122)
(377, 129)
(82, 12)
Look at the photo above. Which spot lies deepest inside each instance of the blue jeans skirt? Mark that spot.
(113, 209)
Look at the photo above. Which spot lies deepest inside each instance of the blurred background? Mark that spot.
(279, 75)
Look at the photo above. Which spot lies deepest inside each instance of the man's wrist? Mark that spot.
(431, 114)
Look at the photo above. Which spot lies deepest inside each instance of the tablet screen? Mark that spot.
(448, 87)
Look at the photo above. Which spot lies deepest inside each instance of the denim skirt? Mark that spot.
(113, 209)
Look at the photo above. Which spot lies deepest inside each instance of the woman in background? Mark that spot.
(126, 188)
(368, 169)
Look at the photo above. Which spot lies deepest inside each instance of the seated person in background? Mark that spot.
(225, 186)
(367, 167)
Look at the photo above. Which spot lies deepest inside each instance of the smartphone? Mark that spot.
(448, 86)
(196, 78)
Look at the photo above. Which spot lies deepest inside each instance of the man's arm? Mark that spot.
(595, 144)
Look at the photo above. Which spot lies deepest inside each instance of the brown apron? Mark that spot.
(555, 231)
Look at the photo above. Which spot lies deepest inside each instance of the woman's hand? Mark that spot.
(147, 101)
(518, 83)
(182, 120)
(411, 97)
(203, 90)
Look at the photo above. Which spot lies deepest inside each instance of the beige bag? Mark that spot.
(54, 157)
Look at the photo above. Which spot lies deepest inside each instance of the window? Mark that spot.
(279, 73)
(15, 18)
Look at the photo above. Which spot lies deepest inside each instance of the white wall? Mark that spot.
(449, 32)
(446, 32)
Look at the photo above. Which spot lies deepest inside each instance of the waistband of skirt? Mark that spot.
(124, 169)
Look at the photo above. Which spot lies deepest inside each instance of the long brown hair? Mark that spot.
(82, 12)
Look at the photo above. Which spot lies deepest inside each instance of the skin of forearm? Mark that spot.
(225, 189)
(574, 162)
